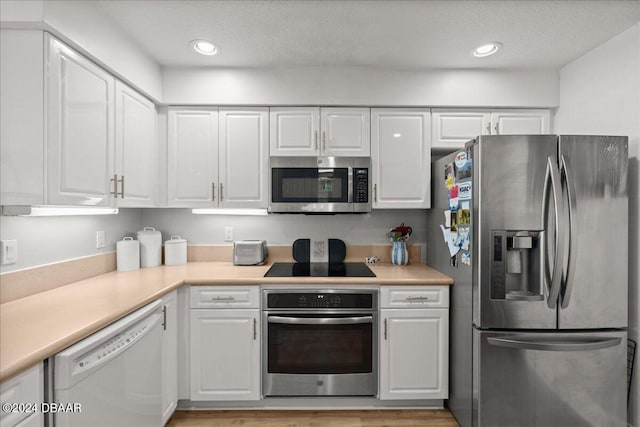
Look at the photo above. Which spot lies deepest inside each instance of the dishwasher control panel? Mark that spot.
(113, 346)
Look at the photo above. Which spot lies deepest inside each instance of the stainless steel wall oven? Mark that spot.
(320, 342)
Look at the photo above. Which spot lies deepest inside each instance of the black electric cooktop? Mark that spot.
(319, 269)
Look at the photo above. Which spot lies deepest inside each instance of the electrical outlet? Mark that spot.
(228, 234)
(9, 252)
(100, 239)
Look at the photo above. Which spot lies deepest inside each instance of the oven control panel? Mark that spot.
(333, 300)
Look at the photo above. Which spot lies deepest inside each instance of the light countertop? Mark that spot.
(36, 327)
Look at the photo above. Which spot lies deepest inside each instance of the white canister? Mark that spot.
(150, 247)
(175, 251)
(128, 254)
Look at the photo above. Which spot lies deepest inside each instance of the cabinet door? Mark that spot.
(294, 131)
(225, 354)
(414, 354)
(400, 158)
(520, 122)
(22, 124)
(346, 132)
(451, 128)
(169, 355)
(192, 152)
(243, 158)
(135, 148)
(80, 137)
(26, 388)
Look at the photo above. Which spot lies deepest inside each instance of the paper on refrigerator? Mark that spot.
(450, 240)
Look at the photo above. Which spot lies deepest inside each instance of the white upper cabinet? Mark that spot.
(243, 158)
(294, 131)
(453, 127)
(345, 132)
(218, 159)
(136, 148)
(76, 135)
(193, 157)
(312, 131)
(400, 158)
(520, 122)
(80, 129)
(21, 117)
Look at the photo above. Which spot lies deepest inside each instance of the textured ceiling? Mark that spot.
(386, 34)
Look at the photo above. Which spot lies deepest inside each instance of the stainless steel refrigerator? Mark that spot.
(534, 231)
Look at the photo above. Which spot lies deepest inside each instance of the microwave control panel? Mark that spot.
(361, 185)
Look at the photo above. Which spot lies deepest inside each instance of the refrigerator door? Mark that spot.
(550, 379)
(516, 188)
(594, 176)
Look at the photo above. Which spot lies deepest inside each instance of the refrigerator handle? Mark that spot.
(553, 280)
(573, 232)
(542, 344)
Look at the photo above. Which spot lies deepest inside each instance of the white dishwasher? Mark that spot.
(113, 377)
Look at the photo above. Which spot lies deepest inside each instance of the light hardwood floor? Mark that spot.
(347, 418)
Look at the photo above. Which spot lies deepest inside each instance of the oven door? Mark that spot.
(320, 354)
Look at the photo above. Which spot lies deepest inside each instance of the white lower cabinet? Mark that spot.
(19, 394)
(414, 346)
(225, 352)
(169, 355)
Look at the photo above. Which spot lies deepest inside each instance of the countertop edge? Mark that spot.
(186, 278)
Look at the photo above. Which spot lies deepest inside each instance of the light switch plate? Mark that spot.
(8, 252)
(100, 239)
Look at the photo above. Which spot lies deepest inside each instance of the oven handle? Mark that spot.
(320, 320)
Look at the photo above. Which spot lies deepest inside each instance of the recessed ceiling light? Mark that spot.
(487, 49)
(204, 47)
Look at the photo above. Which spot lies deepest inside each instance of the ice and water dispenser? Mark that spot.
(516, 265)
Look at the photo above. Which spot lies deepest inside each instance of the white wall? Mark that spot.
(283, 229)
(600, 94)
(361, 86)
(44, 240)
(86, 27)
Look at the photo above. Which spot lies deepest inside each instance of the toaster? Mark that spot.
(249, 252)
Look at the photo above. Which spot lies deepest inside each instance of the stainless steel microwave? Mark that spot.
(320, 185)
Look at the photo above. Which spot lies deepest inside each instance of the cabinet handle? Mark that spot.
(417, 298)
(496, 129)
(255, 329)
(375, 193)
(213, 191)
(489, 128)
(315, 140)
(121, 187)
(223, 299)
(324, 141)
(115, 185)
(220, 192)
(164, 318)
(385, 329)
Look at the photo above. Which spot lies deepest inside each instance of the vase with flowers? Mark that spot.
(399, 237)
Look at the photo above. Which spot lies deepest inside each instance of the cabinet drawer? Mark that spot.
(225, 297)
(414, 297)
(27, 388)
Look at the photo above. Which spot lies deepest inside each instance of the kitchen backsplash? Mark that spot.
(46, 240)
